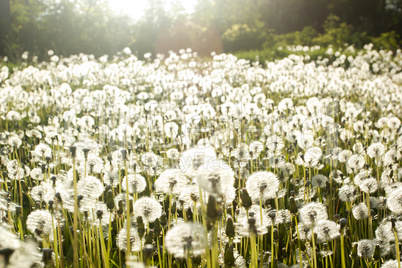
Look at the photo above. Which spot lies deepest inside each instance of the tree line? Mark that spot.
(90, 26)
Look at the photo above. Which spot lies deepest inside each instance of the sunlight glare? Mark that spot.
(136, 8)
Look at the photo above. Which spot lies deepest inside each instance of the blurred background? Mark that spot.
(104, 27)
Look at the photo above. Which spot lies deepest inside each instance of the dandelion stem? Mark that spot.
(75, 223)
(343, 251)
(398, 256)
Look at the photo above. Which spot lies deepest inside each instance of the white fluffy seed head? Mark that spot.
(186, 239)
(312, 213)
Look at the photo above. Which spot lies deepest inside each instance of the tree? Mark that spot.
(5, 24)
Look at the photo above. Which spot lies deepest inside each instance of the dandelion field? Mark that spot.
(180, 161)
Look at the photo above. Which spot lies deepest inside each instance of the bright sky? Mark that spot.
(136, 8)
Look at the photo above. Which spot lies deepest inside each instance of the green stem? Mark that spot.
(75, 223)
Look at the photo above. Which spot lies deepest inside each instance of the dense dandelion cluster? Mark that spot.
(179, 161)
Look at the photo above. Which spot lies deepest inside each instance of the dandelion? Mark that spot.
(256, 148)
(136, 183)
(394, 123)
(15, 141)
(356, 162)
(376, 150)
(311, 213)
(283, 216)
(242, 153)
(8, 239)
(149, 159)
(360, 211)
(15, 172)
(37, 193)
(192, 159)
(120, 200)
(390, 264)
(347, 193)
(382, 122)
(251, 223)
(305, 141)
(39, 223)
(304, 232)
(186, 239)
(285, 105)
(216, 180)
(326, 230)
(13, 116)
(358, 148)
(171, 181)
(27, 255)
(173, 154)
(95, 164)
(337, 176)
(135, 240)
(148, 208)
(274, 143)
(42, 151)
(365, 248)
(262, 185)
(362, 176)
(392, 156)
(394, 201)
(112, 178)
(90, 187)
(369, 186)
(319, 181)
(385, 231)
(344, 156)
(171, 129)
(36, 174)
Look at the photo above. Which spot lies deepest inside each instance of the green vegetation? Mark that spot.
(89, 26)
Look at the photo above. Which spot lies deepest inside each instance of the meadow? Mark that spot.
(183, 161)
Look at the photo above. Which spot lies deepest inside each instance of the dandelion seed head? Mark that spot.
(171, 181)
(394, 201)
(135, 241)
(347, 193)
(192, 159)
(311, 213)
(148, 208)
(394, 123)
(216, 180)
(376, 150)
(390, 264)
(136, 183)
(173, 154)
(365, 248)
(262, 185)
(360, 211)
(185, 240)
(283, 216)
(8, 239)
(356, 162)
(369, 186)
(39, 223)
(90, 187)
(327, 230)
(245, 227)
(319, 181)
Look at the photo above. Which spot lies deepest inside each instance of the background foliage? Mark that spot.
(89, 26)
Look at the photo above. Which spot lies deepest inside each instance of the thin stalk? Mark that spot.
(398, 255)
(75, 221)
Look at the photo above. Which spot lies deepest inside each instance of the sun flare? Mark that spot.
(136, 8)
